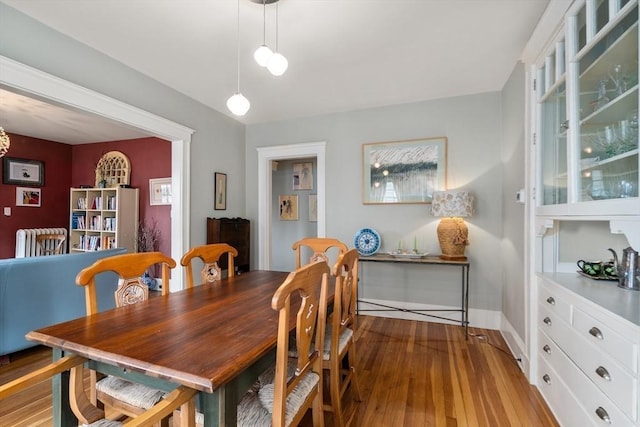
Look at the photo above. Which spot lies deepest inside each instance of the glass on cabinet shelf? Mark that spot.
(608, 131)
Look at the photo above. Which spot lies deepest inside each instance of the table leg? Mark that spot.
(63, 416)
(465, 286)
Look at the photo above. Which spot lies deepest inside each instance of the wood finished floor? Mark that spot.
(411, 374)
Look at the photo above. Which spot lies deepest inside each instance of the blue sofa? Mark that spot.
(41, 291)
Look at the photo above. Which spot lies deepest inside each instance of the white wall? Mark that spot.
(513, 213)
(473, 127)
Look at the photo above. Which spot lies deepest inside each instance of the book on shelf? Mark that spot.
(77, 221)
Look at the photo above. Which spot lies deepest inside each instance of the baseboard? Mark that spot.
(478, 318)
(515, 344)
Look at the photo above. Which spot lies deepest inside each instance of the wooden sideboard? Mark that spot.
(236, 232)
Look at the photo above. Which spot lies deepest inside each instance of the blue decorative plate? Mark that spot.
(367, 241)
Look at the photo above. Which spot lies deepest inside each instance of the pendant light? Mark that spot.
(263, 53)
(277, 64)
(238, 104)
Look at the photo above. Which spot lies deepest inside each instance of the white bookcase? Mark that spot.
(103, 218)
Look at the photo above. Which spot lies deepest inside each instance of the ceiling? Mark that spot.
(343, 54)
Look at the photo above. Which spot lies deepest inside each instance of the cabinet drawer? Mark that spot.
(607, 340)
(595, 403)
(617, 383)
(560, 398)
(551, 324)
(556, 304)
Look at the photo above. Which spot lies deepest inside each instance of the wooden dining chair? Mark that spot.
(83, 409)
(210, 255)
(339, 346)
(125, 397)
(283, 394)
(319, 247)
(51, 244)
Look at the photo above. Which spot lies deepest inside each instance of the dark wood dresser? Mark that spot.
(236, 232)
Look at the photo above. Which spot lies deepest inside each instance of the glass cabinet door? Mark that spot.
(553, 147)
(607, 84)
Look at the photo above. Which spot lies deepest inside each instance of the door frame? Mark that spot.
(283, 152)
(38, 84)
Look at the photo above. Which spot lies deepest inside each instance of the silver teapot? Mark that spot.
(628, 268)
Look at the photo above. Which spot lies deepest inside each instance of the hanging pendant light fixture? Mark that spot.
(277, 64)
(238, 104)
(263, 53)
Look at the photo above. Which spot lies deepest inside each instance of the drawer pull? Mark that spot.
(547, 349)
(604, 374)
(547, 321)
(596, 333)
(551, 301)
(604, 416)
(546, 378)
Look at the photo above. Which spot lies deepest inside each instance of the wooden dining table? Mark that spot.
(216, 338)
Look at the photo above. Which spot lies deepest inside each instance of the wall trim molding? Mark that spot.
(515, 343)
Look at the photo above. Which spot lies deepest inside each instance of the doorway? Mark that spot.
(29, 81)
(266, 157)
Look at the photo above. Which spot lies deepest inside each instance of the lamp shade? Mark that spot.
(452, 204)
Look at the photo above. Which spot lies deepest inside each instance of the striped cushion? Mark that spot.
(103, 423)
(255, 408)
(134, 394)
(343, 340)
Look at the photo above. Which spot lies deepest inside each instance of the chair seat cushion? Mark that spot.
(256, 407)
(134, 394)
(103, 423)
(343, 340)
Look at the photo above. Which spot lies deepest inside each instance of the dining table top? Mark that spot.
(202, 337)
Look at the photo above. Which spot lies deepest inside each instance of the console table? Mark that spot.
(425, 261)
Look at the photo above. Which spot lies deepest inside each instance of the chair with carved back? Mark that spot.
(210, 255)
(339, 346)
(51, 243)
(283, 394)
(124, 397)
(87, 413)
(319, 247)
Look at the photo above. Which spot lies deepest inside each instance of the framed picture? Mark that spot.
(22, 172)
(160, 191)
(404, 171)
(220, 191)
(313, 207)
(289, 208)
(303, 176)
(30, 197)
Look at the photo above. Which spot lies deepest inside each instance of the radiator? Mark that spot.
(26, 245)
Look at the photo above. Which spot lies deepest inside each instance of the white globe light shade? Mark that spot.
(262, 55)
(238, 104)
(278, 64)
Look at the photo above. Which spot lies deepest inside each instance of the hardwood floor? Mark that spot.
(411, 374)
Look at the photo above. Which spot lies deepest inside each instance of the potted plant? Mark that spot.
(148, 240)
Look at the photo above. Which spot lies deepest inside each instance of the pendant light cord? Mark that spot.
(264, 22)
(277, 27)
(238, 44)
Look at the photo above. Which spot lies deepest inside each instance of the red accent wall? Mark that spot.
(149, 157)
(69, 166)
(54, 209)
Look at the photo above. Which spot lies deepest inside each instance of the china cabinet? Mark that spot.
(103, 218)
(584, 335)
(236, 232)
(587, 108)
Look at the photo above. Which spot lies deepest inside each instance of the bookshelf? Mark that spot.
(103, 218)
